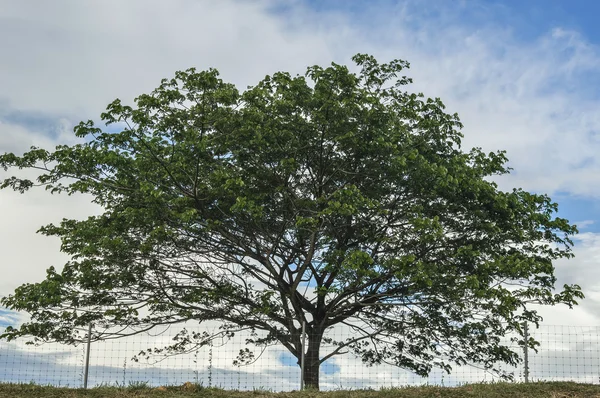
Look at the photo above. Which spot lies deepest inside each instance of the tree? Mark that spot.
(334, 198)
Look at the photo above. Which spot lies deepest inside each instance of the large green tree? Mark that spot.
(334, 198)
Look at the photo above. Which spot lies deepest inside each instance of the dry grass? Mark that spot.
(496, 390)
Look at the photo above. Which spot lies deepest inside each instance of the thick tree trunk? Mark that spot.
(311, 362)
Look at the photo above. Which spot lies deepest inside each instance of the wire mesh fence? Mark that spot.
(565, 353)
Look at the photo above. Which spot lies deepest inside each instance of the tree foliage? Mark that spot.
(334, 198)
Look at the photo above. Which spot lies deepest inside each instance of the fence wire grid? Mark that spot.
(566, 353)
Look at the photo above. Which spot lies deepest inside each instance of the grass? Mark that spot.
(492, 390)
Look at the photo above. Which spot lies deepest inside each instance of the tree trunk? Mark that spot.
(311, 362)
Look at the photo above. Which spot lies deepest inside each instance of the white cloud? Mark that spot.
(16, 138)
(584, 224)
(79, 56)
(26, 255)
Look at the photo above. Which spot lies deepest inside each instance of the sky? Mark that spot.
(522, 75)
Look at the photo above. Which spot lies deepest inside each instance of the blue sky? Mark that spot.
(535, 17)
(528, 19)
(523, 76)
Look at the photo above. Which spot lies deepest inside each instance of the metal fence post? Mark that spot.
(302, 355)
(87, 358)
(525, 352)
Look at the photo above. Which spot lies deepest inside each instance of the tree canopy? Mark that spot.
(336, 198)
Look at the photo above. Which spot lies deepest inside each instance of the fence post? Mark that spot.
(87, 357)
(525, 352)
(302, 355)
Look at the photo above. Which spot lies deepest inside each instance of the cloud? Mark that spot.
(584, 271)
(18, 137)
(584, 224)
(8, 318)
(26, 255)
(78, 61)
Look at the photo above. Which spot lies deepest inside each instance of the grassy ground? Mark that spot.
(497, 390)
